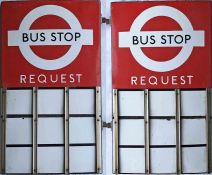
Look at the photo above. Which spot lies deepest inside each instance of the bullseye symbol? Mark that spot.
(75, 37)
(188, 38)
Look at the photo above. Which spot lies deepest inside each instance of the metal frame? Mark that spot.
(208, 129)
(178, 132)
(4, 119)
(3, 99)
(66, 130)
(147, 131)
(1, 114)
(34, 129)
(98, 131)
(115, 133)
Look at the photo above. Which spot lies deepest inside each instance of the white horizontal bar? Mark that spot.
(158, 38)
(50, 37)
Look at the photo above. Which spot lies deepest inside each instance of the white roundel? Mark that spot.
(178, 60)
(67, 58)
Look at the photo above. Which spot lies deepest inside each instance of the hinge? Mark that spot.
(105, 20)
(107, 125)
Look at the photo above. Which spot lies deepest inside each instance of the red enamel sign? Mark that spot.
(161, 45)
(51, 43)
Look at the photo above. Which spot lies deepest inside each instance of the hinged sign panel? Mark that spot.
(51, 43)
(161, 45)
